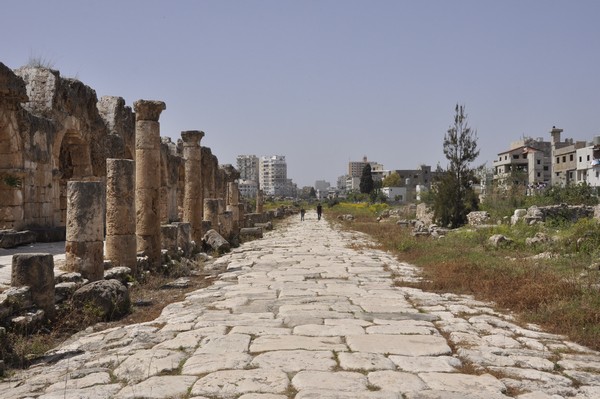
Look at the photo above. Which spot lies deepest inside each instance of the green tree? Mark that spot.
(366, 180)
(392, 180)
(312, 193)
(453, 196)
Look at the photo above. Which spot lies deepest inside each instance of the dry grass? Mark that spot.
(562, 294)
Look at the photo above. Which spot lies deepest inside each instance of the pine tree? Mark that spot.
(454, 197)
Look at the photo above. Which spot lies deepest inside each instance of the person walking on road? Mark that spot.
(319, 211)
(302, 212)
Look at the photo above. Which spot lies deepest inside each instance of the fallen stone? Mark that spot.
(109, 298)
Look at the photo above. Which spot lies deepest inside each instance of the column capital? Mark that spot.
(148, 110)
(192, 137)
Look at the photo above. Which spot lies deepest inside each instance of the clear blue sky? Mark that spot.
(329, 81)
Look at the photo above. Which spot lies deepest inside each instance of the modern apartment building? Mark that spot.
(273, 175)
(564, 158)
(588, 163)
(538, 163)
(355, 169)
(528, 162)
(247, 165)
(412, 183)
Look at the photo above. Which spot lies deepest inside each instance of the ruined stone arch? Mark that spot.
(71, 160)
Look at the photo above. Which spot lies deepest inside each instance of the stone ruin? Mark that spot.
(97, 174)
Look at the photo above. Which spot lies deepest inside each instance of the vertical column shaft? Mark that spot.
(193, 201)
(84, 248)
(147, 178)
(121, 246)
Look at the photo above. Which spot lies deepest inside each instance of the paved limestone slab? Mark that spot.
(224, 343)
(364, 361)
(330, 394)
(335, 381)
(396, 381)
(258, 330)
(83, 382)
(316, 330)
(442, 364)
(159, 387)
(464, 383)
(189, 340)
(291, 342)
(296, 360)
(96, 392)
(147, 363)
(203, 363)
(407, 345)
(232, 383)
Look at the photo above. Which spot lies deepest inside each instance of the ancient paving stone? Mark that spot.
(147, 363)
(295, 360)
(331, 394)
(291, 342)
(79, 383)
(427, 364)
(202, 363)
(106, 391)
(456, 382)
(446, 394)
(336, 381)
(364, 361)
(408, 345)
(158, 387)
(314, 330)
(536, 375)
(189, 340)
(224, 343)
(396, 381)
(232, 383)
(258, 330)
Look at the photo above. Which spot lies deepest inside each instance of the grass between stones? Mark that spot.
(560, 293)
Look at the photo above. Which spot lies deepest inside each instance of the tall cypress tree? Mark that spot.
(366, 180)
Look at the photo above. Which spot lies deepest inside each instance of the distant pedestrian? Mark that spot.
(319, 211)
(302, 212)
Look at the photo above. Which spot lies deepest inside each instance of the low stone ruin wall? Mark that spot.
(537, 214)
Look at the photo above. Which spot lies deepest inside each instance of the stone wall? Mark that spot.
(536, 214)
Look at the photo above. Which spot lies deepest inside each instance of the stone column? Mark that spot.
(233, 199)
(259, 201)
(211, 212)
(193, 207)
(147, 178)
(37, 272)
(85, 229)
(121, 247)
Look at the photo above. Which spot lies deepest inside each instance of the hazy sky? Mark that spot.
(329, 81)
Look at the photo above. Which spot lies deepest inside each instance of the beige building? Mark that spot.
(527, 163)
(564, 158)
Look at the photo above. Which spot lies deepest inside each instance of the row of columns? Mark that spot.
(133, 223)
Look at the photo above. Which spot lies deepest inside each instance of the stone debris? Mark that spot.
(292, 317)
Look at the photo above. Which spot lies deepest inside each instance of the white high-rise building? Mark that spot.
(273, 175)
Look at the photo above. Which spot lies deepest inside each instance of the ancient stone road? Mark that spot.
(300, 314)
